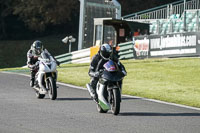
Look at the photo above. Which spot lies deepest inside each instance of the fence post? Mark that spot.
(184, 21)
(158, 27)
(197, 21)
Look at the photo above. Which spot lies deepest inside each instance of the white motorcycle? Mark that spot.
(46, 77)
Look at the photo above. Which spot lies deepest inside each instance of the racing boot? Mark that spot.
(92, 92)
(43, 91)
(32, 82)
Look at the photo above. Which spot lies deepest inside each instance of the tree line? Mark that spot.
(34, 16)
(24, 19)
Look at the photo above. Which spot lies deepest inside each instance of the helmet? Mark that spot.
(37, 47)
(105, 51)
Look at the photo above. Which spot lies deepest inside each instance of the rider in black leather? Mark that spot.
(32, 58)
(104, 54)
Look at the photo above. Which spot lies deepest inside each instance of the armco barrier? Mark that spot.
(84, 56)
(64, 58)
(126, 50)
(81, 56)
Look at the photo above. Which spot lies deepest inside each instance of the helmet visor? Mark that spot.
(38, 51)
(38, 48)
(106, 54)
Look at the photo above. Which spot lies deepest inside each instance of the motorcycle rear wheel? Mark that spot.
(52, 90)
(115, 105)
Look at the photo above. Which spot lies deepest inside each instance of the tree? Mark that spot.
(38, 14)
(5, 10)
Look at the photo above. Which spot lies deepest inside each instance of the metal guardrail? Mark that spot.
(64, 58)
(126, 50)
(164, 11)
(81, 56)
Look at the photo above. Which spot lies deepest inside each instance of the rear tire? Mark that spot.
(116, 101)
(39, 96)
(52, 89)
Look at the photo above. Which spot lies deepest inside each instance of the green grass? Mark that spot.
(76, 74)
(16, 69)
(171, 80)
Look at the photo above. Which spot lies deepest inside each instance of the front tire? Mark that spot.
(52, 90)
(116, 101)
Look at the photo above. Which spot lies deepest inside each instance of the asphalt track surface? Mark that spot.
(75, 112)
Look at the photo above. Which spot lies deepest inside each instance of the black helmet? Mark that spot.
(105, 51)
(37, 47)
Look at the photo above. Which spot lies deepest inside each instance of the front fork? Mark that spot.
(44, 75)
(110, 91)
(40, 77)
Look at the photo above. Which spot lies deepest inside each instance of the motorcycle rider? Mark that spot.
(32, 58)
(104, 54)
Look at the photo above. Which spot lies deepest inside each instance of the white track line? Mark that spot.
(145, 99)
(72, 86)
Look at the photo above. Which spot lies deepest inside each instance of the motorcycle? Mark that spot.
(46, 77)
(109, 88)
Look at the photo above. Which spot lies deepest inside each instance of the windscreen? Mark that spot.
(110, 66)
(45, 55)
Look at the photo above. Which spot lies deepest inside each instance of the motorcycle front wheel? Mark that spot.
(115, 105)
(52, 90)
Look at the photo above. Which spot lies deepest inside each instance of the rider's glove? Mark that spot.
(35, 66)
(32, 67)
(96, 74)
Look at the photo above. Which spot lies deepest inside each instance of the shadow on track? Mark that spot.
(73, 99)
(129, 98)
(77, 99)
(157, 114)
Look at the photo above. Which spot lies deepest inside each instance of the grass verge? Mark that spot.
(171, 80)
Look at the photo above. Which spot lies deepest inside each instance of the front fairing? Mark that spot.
(110, 66)
(47, 67)
(112, 76)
